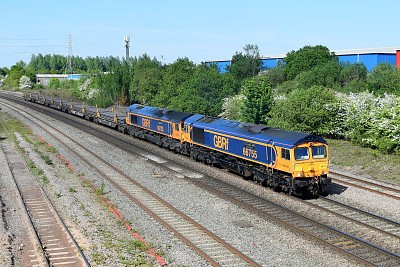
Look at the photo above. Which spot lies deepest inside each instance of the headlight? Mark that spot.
(300, 174)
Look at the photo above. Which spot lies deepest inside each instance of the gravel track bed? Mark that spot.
(359, 198)
(16, 236)
(261, 240)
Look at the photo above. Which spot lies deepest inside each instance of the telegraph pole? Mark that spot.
(127, 40)
(69, 60)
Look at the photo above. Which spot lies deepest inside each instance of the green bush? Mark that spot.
(311, 110)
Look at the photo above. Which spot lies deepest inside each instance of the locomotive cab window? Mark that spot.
(176, 127)
(285, 153)
(319, 152)
(301, 153)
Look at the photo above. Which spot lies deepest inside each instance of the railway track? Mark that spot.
(56, 246)
(212, 248)
(362, 251)
(381, 189)
(354, 247)
(364, 218)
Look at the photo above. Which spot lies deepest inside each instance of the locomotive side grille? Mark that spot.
(133, 119)
(198, 135)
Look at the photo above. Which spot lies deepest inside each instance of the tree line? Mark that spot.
(310, 90)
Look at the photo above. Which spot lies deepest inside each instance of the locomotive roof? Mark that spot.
(158, 113)
(254, 132)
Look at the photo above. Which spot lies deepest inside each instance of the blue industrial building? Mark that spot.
(371, 57)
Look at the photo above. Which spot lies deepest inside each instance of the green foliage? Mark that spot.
(384, 78)
(353, 72)
(286, 87)
(326, 75)
(306, 59)
(46, 159)
(308, 110)
(4, 71)
(146, 79)
(54, 83)
(203, 91)
(246, 65)
(15, 75)
(258, 100)
(276, 75)
(57, 64)
(111, 85)
(176, 74)
(100, 190)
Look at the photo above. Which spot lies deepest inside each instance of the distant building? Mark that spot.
(44, 79)
(371, 57)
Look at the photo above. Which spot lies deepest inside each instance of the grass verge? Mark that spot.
(364, 161)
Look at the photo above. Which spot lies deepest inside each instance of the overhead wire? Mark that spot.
(80, 47)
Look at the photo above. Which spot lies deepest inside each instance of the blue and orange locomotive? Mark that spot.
(290, 161)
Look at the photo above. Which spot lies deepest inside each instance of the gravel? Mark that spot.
(263, 241)
(17, 239)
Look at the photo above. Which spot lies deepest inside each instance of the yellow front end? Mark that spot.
(310, 160)
(310, 168)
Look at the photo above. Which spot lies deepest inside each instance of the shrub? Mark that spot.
(369, 120)
(310, 110)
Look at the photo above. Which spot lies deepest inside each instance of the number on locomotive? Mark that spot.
(248, 152)
(146, 122)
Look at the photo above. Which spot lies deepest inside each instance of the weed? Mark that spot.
(100, 190)
(85, 183)
(72, 190)
(138, 245)
(51, 149)
(57, 194)
(98, 257)
(45, 180)
(46, 159)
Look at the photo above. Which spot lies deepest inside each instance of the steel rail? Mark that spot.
(349, 253)
(158, 218)
(50, 260)
(389, 191)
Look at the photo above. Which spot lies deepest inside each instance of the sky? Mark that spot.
(200, 30)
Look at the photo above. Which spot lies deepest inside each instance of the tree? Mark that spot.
(203, 92)
(276, 75)
(54, 83)
(15, 74)
(175, 75)
(353, 77)
(384, 78)
(4, 71)
(146, 79)
(258, 100)
(246, 65)
(308, 110)
(353, 72)
(305, 59)
(326, 75)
